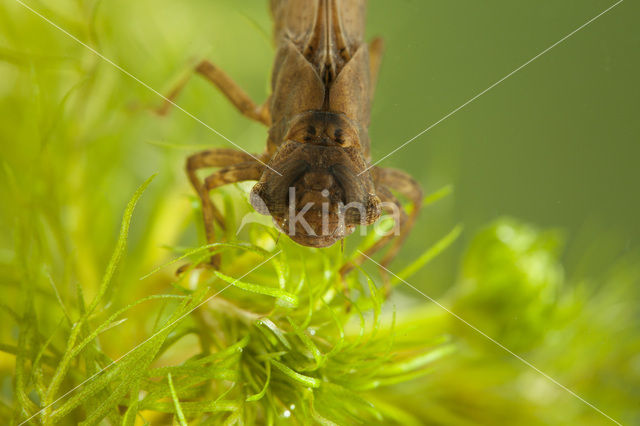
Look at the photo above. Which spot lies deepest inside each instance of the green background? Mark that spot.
(556, 144)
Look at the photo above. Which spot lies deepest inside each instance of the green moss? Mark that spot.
(277, 342)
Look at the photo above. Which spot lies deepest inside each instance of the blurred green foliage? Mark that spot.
(582, 334)
(78, 138)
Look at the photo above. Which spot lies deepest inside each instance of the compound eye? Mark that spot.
(256, 199)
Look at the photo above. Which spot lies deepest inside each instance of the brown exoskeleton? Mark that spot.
(316, 164)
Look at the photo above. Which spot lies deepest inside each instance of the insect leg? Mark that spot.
(392, 206)
(228, 87)
(250, 170)
(408, 187)
(385, 181)
(389, 201)
(376, 48)
(220, 157)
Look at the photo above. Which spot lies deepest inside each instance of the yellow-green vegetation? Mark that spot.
(97, 216)
(276, 343)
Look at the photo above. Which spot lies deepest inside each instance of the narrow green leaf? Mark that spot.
(121, 246)
(278, 293)
(277, 332)
(218, 246)
(194, 408)
(176, 403)
(260, 394)
(438, 195)
(308, 343)
(428, 255)
(305, 380)
(419, 361)
(110, 321)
